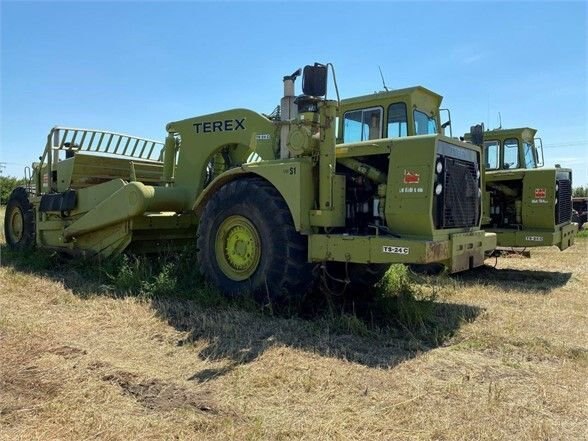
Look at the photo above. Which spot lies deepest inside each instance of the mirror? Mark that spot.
(539, 150)
(314, 80)
(446, 123)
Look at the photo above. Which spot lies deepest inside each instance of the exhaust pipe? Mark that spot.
(288, 112)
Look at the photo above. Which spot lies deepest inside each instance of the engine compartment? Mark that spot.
(506, 204)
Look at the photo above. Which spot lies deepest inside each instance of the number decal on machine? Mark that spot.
(534, 238)
(395, 250)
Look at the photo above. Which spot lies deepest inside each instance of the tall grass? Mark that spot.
(404, 299)
(399, 305)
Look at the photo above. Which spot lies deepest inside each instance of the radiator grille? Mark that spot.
(461, 203)
(563, 209)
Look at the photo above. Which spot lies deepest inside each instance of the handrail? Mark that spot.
(71, 139)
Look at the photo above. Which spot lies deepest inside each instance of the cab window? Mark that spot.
(424, 124)
(491, 154)
(511, 153)
(530, 159)
(397, 120)
(362, 125)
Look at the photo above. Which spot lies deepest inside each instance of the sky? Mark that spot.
(131, 67)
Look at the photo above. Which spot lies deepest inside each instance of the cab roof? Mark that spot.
(518, 132)
(513, 131)
(416, 90)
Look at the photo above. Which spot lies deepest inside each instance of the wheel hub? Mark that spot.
(238, 247)
(16, 225)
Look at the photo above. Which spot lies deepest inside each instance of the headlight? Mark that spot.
(555, 201)
(439, 167)
(438, 189)
(556, 187)
(478, 174)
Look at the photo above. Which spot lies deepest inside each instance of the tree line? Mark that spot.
(7, 184)
(580, 192)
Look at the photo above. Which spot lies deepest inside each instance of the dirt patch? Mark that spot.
(155, 394)
(96, 365)
(24, 386)
(67, 351)
(24, 389)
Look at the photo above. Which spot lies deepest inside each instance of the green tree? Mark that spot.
(7, 184)
(580, 192)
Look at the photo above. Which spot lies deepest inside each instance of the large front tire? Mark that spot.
(19, 221)
(247, 243)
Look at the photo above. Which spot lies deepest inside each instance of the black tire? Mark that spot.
(282, 270)
(19, 221)
(362, 278)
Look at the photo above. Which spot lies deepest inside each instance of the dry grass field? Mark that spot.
(497, 354)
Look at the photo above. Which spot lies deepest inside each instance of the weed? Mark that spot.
(129, 274)
(34, 261)
(349, 324)
(403, 301)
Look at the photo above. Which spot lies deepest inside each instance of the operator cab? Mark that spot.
(510, 149)
(391, 114)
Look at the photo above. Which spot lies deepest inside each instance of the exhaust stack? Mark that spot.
(288, 111)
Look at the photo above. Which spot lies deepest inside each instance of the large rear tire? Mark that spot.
(247, 243)
(19, 221)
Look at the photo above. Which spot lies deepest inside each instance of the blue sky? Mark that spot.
(132, 67)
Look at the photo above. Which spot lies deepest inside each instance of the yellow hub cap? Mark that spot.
(237, 248)
(16, 225)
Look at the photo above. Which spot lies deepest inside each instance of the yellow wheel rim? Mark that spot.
(237, 248)
(15, 225)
